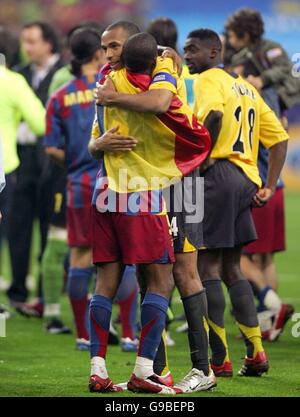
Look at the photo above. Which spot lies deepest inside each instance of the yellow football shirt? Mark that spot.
(164, 76)
(247, 119)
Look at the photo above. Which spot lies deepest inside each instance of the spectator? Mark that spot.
(30, 197)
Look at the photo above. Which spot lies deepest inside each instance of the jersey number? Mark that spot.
(239, 144)
(174, 227)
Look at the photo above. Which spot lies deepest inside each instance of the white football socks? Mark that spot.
(98, 367)
(143, 367)
(272, 301)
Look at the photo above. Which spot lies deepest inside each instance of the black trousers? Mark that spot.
(30, 201)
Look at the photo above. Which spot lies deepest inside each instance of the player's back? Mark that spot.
(246, 118)
(74, 106)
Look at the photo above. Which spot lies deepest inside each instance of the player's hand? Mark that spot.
(176, 58)
(111, 141)
(104, 94)
(257, 82)
(262, 197)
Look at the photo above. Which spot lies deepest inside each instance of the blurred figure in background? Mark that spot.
(31, 196)
(165, 32)
(17, 102)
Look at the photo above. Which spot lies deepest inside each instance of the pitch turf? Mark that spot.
(33, 363)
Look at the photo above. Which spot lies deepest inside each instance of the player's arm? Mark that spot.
(56, 154)
(277, 156)
(275, 138)
(213, 123)
(154, 101)
(110, 141)
(53, 140)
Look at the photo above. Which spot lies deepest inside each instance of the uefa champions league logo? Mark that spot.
(296, 66)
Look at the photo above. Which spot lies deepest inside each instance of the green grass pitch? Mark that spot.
(33, 363)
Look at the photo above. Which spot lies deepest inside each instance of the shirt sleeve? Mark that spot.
(29, 106)
(271, 130)
(209, 96)
(54, 132)
(164, 76)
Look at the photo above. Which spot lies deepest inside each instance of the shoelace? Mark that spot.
(191, 377)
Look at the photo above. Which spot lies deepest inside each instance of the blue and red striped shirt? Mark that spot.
(70, 115)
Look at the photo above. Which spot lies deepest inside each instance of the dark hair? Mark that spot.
(164, 31)
(83, 44)
(130, 27)
(85, 25)
(48, 33)
(207, 36)
(9, 47)
(139, 52)
(246, 21)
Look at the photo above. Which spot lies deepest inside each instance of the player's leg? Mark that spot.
(153, 318)
(268, 268)
(281, 312)
(79, 276)
(52, 267)
(79, 226)
(107, 257)
(127, 298)
(147, 242)
(269, 302)
(244, 310)
(108, 279)
(193, 295)
(209, 267)
(52, 272)
(161, 363)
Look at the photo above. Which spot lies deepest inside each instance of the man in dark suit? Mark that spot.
(34, 175)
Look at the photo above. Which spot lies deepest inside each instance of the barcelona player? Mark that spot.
(237, 118)
(69, 119)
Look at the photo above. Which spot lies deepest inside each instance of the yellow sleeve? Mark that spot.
(271, 131)
(164, 76)
(209, 96)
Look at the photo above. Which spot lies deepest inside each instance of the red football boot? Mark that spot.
(255, 366)
(97, 384)
(167, 379)
(152, 385)
(224, 370)
(280, 320)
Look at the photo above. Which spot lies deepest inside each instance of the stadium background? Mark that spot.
(282, 18)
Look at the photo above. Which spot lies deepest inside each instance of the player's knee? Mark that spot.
(209, 272)
(81, 257)
(183, 274)
(163, 287)
(231, 273)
